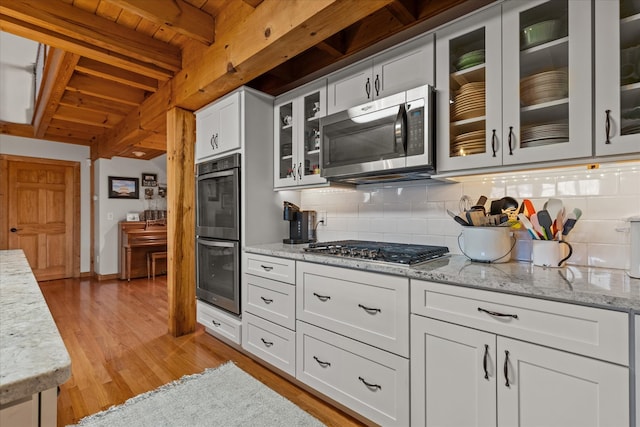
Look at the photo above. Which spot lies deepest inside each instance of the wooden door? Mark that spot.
(42, 211)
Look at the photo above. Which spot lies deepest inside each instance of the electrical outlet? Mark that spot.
(109, 216)
(322, 218)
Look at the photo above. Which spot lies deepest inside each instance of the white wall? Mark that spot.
(108, 212)
(416, 212)
(59, 151)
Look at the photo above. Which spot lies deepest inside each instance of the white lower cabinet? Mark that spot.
(372, 382)
(218, 323)
(272, 343)
(37, 410)
(474, 372)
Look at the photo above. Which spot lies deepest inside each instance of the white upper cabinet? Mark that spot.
(514, 85)
(218, 127)
(617, 77)
(404, 67)
(297, 136)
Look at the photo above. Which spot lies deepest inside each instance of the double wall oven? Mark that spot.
(218, 232)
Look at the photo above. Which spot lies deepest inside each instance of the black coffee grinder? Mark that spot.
(301, 224)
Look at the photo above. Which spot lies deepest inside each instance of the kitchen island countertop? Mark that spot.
(600, 287)
(33, 357)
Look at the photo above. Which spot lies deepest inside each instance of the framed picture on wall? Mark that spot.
(149, 179)
(123, 188)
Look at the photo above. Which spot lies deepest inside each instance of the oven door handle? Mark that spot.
(219, 174)
(216, 243)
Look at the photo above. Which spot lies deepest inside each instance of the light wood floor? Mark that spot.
(116, 335)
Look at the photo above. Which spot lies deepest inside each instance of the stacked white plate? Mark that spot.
(468, 143)
(533, 136)
(544, 87)
(631, 127)
(469, 101)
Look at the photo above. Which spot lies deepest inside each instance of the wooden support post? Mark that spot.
(181, 266)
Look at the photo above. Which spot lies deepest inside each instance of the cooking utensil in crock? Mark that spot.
(545, 221)
(457, 218)
(527, 224)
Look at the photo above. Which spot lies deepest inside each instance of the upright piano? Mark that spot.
(136, 238)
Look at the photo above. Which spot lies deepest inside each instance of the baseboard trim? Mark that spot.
(102, 277)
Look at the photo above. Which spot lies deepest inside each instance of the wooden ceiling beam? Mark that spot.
(69, 21)
(403, 11)
(87, 49)
(116, 74)
(58, 70)
(93, 118)
(178, 15)
(106, 89)
(79, 127)
(16, 129)
(94, 103)
(253, 3)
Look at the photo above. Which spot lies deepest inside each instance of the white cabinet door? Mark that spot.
(218, 127)
(408, 66)
(349, 87)
(453, 371)
(547, 387)
(547, 81)
(617, 78)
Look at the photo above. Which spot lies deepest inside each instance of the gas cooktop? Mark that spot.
(398, 253)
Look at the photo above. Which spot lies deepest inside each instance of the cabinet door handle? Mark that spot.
(494, 143)
(485, 361)
(266, 300)
(300, 170)
(321, 363)
(510, 136)
(506, 368)
(266, 343)
(376, 85)
(607, 127)
(496, 314)
(266, 267)
(369, 385)
(14, 230)
(367, 88)
(216, 324)
(322, 298)
(369, 309)
(214, 141)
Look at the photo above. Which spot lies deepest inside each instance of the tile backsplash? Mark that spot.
(415, 212)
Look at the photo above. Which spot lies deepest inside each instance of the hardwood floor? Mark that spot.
(117, 336)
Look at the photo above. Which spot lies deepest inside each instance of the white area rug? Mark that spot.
(224, 396)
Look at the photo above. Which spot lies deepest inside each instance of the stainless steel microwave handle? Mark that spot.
(400, 129)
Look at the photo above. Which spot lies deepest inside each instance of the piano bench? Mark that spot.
(152, 257)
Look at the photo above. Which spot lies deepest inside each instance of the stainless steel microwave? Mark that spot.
(388, 139)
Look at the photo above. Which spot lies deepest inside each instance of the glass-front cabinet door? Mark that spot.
(469, 83)
(546, 81)
(297, 136)
(617, 76)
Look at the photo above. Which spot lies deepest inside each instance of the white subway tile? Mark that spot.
(371, 236)
(397, 210)
(384, 225)
(629, 182)
(439, 191)
(612, 207)
(610, 256)
(492, 189)
(412, 225)
(358, 224)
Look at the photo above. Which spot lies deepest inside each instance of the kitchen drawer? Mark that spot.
(272, 343)
(369, 307)
(218, 323)
(594, 332)
(281, 269)
(271, 300)
(370, 381)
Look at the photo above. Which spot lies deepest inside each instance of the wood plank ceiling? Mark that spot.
(115, 67)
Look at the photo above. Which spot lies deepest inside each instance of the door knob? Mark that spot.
(13, 229)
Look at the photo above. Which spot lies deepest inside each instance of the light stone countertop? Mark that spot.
(33, 357)
(600, 287)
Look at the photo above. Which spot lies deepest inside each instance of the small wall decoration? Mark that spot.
(123, 188)
(149, 180)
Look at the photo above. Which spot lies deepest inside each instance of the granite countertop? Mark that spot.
(600, 287)
(33, 357)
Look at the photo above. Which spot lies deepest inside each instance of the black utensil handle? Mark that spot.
(510, 135)
(485, 361)
(506, 368)
(607, 127)
(494, 143)
(570, 252)
(497, 314)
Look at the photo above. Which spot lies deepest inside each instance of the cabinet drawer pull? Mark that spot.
(266, 267)
(369, 385)
(485, 361)
(322, 298)
(506, 368)
(266, 343)
(321, 363)
(607, 127)
(216, 324)
(266, 300)
(369, 309)
(495, 313)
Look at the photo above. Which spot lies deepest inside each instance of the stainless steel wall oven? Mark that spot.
(218, 232)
